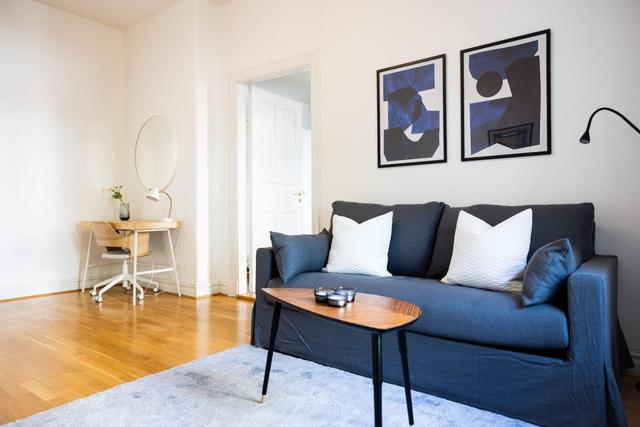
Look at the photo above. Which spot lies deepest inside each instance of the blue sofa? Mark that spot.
(552, 364)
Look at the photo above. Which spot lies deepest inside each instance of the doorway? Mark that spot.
(275, 164)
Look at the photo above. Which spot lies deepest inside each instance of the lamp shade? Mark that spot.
(585, 138)
(153, 194)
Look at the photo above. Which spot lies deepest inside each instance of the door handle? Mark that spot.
(300, 195)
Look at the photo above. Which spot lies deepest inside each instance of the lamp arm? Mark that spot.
(170, 202)
(614, 112)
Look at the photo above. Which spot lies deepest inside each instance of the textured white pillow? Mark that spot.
(490, 257)
(360, 248)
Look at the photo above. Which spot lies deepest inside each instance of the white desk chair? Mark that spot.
(120, 247)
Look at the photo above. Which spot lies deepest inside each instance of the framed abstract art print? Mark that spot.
(411, 113)
(506, 110)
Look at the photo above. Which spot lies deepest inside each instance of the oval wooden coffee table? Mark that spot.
(373, 313)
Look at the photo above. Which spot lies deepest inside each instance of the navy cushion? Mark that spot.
(547, 272)
(300, 253)
(550, 222)
(458, 312)
(412, 237)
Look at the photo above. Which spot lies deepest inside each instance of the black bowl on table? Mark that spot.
(321, 293)
(351, 293)
(337, 299)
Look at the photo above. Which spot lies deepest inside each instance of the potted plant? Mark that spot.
(116, 194)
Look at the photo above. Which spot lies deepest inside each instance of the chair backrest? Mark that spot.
(107, 237)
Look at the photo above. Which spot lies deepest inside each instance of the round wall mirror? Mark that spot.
(156, 153)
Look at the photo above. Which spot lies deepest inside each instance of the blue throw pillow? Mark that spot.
(547, 271)
(301, 253)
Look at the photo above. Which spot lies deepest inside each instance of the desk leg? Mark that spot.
(376, 376)
(135, 265)
(173, 260)
(272, 341)
(86, 261)
(402, 343)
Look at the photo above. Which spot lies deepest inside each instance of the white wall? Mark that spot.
(74, 95)
(592, 64)
(61, 129)
(169, 71)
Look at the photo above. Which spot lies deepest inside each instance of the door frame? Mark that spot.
(238, 194)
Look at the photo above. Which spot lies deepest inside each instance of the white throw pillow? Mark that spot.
(490, 257)
(360, 248)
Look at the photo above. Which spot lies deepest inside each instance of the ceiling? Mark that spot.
(295, 86)
(115, 13)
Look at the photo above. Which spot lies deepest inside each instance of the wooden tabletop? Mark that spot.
(367, 311)
(138, 224)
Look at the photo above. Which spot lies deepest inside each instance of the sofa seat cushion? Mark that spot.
(458, 312)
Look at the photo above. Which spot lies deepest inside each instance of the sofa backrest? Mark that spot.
(413, 233)
(550, 222)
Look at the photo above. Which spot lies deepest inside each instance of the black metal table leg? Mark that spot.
(376, 375)
(402, 343)
(272, 341)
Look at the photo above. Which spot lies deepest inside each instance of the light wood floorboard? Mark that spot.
(59, 348)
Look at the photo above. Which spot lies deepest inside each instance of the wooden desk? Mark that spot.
(139, 224)
(136, 226)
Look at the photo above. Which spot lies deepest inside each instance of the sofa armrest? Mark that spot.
(266, 268)
(592, 292)
(593, 333)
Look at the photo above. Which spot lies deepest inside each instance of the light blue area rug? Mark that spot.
(223, 390)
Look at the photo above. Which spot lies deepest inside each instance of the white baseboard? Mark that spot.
(48, 287)
(219, 288)
(231, 289)
(64, 285)
(190, 289)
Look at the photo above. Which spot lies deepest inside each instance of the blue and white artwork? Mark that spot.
(411, 113)
(505, 98)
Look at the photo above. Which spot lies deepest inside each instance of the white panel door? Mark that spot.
(277, 194)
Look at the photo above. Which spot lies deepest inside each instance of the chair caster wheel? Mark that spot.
(93, 292)
(97, 299)
(140, 297)
(156, 289)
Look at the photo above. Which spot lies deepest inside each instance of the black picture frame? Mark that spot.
(442, 158)
(544, 90)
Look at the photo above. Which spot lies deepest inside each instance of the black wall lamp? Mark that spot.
(586, 138)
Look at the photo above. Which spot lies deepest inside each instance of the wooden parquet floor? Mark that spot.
(59, 348)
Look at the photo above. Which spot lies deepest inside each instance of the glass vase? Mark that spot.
(124, 212)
